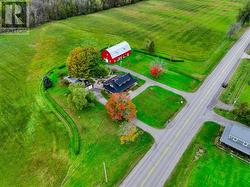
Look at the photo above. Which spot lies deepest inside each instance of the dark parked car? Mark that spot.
(224, 85)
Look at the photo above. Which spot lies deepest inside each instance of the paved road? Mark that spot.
(159, 162)
(212, 116)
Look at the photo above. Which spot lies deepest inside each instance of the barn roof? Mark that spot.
(237, 137)
(120, 83)
(119, 49)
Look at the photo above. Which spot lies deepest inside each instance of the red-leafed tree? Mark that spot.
(156, 70)
(120, 107)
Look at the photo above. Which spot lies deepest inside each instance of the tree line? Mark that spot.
(41, 11)
(243, 18)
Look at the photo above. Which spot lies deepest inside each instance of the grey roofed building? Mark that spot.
(237, 137)
(119, 83)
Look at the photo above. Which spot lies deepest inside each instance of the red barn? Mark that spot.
(116, 53)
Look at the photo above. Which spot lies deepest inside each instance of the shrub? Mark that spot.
(80, 98)
(244, 14)
(120, 107)
(64, 82)
(82, 61)
(242, 113)
(150, 46)
(47, 83)
(128, 133)
(233, 29)
(100, 71)
(61, 73)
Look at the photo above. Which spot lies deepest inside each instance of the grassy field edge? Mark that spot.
(65, 118)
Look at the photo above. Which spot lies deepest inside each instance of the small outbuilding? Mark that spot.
(84, 82)
(237, 137)
(117, 52)
(119, 83)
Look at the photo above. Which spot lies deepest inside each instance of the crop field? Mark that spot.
(204, 164)
(156, 106)
(238, 90)
(34, 144)
(188, 29)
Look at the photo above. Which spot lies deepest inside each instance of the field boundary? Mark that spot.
(65, 118)
(157, 55)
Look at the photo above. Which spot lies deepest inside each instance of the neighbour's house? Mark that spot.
(118, 52)
(237, 137)
(119, 83)
(85, 82)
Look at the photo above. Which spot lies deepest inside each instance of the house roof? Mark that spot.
(119, 83)
(73, 80)
(119, 49)
(237, 137)
(241, 132)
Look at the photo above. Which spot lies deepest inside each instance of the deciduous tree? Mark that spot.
(156, 70)
(244, 14)
(150, 46)
(82, 61)
(120, 107)
(79, 97)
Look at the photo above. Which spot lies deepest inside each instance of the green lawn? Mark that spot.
(239, 86)
(214, 167)
(34, 144)
(156, 105)
(99, 143)
(141, 63)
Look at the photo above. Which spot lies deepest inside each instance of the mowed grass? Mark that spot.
(214, 167)
(238, 90)
(34, 146)
(99, 143)
(141, 64)
(156, 106)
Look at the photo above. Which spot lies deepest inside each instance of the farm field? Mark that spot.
(212, 167)
(239, 86)
(156, 106)
(201, 41)
(99, 143)
(34, 144)
(237, 92)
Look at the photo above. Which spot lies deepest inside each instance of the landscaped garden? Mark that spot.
(34, 142)
(204, 164)
(156, 106)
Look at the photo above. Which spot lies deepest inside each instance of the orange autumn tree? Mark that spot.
(157, 68)
(120, 107)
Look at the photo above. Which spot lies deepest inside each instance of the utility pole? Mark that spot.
(105, 172)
